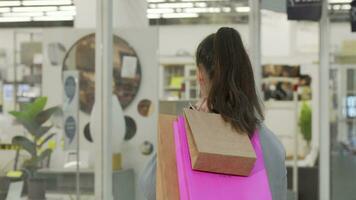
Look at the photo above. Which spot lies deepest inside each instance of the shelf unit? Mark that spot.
(178, 79)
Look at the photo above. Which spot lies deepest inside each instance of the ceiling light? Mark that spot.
(61, 13)
(201, 4)
(153, 16)
(54, 18)
(180, 15)
(196, 10)
(33, 9)
(65, 8)
(46, 2)
(204, 0)
(346, 7)
(155, 1)
(152, 5)
(340, 1)
(15, 19)
(23, 14)
(202, 10)
(4, 10)
(226, 9)
(10, 3)
(337, 7)
(175, 5)
(242, 9)
(161, 10)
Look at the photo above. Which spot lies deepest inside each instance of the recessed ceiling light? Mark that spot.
(15, 19)
(46, 2)
(153, 16)
(340, 1)
(23, 14)
(67, 8)
(61, 13)
(32, 9)
(160, 10)
(54, 18)
(243, 9)
(10, 3)
(5, 10)
(175, 5)
(180, 15)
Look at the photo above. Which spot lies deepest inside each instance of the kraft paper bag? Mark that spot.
(197, 185)
(214, 146)
(167, 179)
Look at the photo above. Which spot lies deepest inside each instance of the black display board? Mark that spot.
(353, 16)
(304, 10)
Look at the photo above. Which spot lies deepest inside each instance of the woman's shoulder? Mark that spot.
(270, 142)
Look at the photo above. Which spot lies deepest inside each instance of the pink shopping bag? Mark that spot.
(197, 185)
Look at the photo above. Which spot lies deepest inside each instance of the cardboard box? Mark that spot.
(167, 178)
(216, 147)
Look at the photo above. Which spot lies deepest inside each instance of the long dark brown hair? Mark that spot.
(232, 91)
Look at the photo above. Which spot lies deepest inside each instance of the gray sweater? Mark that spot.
(274, 157)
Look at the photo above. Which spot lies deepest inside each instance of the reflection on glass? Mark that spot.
(126, 74)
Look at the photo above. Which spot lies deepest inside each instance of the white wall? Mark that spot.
(283, 41)
(187, 37)
(126, 14)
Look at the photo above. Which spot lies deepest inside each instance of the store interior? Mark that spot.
(48, 70)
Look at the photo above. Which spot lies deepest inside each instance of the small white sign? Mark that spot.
(129, 67)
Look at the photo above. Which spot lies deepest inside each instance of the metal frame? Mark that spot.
(324, 167)
(103, 98)
(255, 41)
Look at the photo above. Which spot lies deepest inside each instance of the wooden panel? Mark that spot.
(167, 179)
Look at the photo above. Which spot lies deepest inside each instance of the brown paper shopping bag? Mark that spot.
(216, 147)
(167, 179)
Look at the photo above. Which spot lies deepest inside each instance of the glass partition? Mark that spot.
(290, 91)
(342, 102)
(47, 88)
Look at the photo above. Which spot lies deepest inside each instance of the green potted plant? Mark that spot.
(33, 117)
(305, 122)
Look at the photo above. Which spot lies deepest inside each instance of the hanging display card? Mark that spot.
(70, 108)
(304, 10)
(353, 16)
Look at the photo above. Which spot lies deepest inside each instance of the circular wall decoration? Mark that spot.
(87, 133)
(145, 107)
(126, 70)
(146, 148)
(131, 128)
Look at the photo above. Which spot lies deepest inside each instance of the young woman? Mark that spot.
(228, 87)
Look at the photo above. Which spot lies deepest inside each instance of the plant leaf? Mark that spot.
(30, 163)
(27, 121)
(46, 140)
(44, 155)
(32, 109)
(25, 144)
(42, 131)
(43, 116)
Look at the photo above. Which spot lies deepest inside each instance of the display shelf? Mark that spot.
(178, 78)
